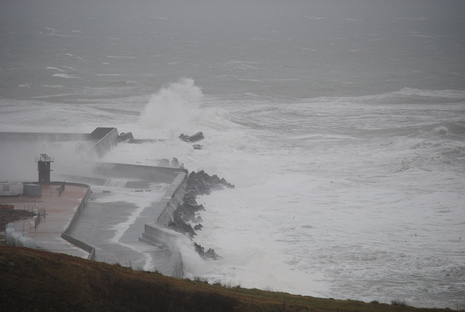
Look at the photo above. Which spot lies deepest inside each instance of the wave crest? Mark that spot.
(173, 107)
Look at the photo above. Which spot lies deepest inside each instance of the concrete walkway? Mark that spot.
(56, 213)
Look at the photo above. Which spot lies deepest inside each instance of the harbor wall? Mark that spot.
(23, 240)
(66, 236)
(172, 199)
(101, 141)
(139, 172)
(106, 139)
(158, 235)
(42, 137)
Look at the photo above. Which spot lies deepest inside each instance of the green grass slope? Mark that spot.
(33, 280)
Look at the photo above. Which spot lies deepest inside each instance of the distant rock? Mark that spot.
(124, 137)
(210, 253)
(192, 138)
(174, 163)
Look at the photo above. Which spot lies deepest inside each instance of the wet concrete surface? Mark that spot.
(56, 212)
(114, 220)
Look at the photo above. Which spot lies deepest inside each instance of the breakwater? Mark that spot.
(57, 213)
(172, 200)
(158, 234)
(92, 147)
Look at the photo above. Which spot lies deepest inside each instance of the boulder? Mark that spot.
(192, 138)
(209, 254)
(126, 136)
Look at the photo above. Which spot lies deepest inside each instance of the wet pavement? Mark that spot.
(56, 212)
(113, 221)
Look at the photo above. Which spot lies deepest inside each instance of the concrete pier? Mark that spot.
(113, 227)
(104, 209)
(54, 214)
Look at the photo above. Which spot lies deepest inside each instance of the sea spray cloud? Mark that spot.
(194, 265)
(173, 108)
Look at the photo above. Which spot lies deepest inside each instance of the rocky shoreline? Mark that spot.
(197, 184)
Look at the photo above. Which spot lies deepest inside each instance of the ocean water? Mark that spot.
(341, 125)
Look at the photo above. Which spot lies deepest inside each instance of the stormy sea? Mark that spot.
(340, 123)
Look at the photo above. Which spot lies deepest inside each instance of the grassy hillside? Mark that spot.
(33, 280)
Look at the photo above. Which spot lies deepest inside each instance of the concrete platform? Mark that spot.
(56, 212)
(113, 226)
(105, 229)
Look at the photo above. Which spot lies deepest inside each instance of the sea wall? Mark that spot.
(164, 209)
(106, 139)
(139, 172)
(80, 244)
(66, 236)
(23, 240)
(172, 199)
(158, 235)
(42, 137)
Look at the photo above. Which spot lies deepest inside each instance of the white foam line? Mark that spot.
(121, 57)
(54, 68)
(109, 75)
(120, 233)
(52, 30)
(64, 76)
(52, 96)
(121, 228)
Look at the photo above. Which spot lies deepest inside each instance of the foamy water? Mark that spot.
(357, 198)
(341, 126)
(334, 197)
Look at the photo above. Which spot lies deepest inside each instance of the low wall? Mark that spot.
(81, 206)
(172, 199)
(158, 235)
(106, 138)
(90, 249)
(45, 137)
(65, 235)
(139, 172)
(152, 233)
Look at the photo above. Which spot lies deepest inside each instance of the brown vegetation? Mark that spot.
(9, 215)
(33, 280)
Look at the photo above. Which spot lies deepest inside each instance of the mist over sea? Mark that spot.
(341, 124)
